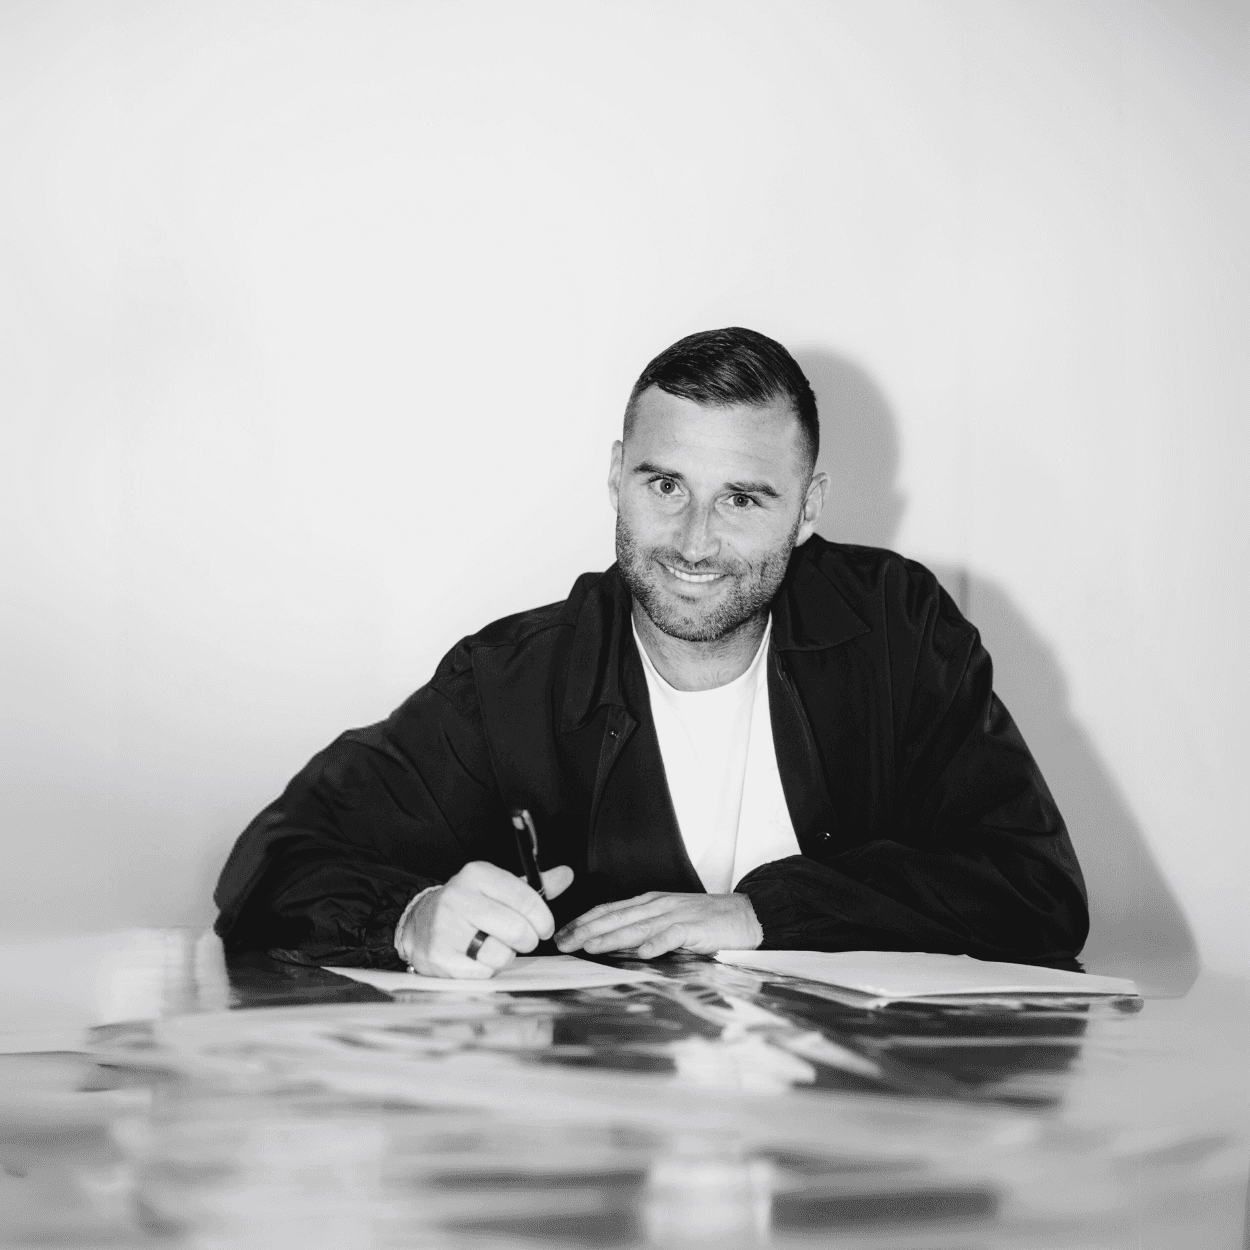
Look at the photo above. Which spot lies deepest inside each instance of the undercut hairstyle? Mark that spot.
(718, 368)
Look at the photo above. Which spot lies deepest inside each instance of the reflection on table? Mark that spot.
(269, 1104)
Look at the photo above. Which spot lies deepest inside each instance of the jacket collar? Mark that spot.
(810, 613)
(600, 637)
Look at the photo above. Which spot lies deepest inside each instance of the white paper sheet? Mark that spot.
(526, 972)
(893, 975)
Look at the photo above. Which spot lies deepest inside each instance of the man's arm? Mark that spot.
(981, 862)
(381, 814)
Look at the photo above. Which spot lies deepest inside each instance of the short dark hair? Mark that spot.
(731, 366)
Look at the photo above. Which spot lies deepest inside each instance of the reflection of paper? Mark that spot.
(526, 972)
(890, 975)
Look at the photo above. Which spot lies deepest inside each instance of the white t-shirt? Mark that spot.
(721, 766)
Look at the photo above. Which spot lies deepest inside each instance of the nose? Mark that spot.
(697, 539)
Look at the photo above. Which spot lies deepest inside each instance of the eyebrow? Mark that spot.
(734, 488)
(752, 488)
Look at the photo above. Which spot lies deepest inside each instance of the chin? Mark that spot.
(692, 631)
(671, 615)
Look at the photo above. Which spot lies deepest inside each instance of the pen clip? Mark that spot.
(523, 823)
(527, 821)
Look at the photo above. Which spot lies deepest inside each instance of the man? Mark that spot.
(739, 735)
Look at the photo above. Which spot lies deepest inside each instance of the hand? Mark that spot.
(655, 923)
(438, 930)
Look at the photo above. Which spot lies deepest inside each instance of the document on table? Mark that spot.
(525, 972)
(889, 976)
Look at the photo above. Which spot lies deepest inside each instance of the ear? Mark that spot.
(614, 474)
(813, 506)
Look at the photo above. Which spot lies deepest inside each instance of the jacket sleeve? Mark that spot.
(323, 874)
(977, 859)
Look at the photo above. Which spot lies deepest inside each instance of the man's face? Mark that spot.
(710, 502)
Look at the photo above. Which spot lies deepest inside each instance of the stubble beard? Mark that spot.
(752, 587)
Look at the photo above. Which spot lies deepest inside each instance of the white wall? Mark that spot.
(318, 320)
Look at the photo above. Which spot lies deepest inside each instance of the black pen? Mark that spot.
(527, 844)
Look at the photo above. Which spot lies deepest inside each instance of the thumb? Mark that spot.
(557, 880)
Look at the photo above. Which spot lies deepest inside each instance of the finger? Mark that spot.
(670, 939)
(557, 880)
(608, 914)
(614, 921)
(603, 909)
(453, 958)
(495, 954)
(628, 937)
(503, 887)
(576, 936)
(468, 911)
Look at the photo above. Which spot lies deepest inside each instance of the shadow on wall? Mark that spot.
(1136, 926)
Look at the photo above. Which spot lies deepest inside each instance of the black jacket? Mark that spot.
(923, 820)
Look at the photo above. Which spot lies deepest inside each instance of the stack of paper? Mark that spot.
(891, 976)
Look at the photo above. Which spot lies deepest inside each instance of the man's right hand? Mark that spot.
(436, 935)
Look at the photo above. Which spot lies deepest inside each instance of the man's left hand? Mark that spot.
(656, 922)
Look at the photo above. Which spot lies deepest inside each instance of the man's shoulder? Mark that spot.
(861, 572)
(877, 582)
(534, 631)
(535, 624)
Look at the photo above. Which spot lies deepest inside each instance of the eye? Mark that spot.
(665, 486)
(740, 503)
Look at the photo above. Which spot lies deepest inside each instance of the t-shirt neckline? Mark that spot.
(741, 681)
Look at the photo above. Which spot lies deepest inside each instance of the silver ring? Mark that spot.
(476, 945)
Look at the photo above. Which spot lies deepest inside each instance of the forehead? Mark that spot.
(724, 441)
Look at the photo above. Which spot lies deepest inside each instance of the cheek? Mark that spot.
(763, 544)
(646, 516)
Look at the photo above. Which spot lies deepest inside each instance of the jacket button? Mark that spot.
(826, 836)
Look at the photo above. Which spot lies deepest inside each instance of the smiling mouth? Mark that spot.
(695, 578)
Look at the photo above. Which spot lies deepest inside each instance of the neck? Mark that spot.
(700, 665)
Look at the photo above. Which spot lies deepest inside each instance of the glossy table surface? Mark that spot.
(154, 1095)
